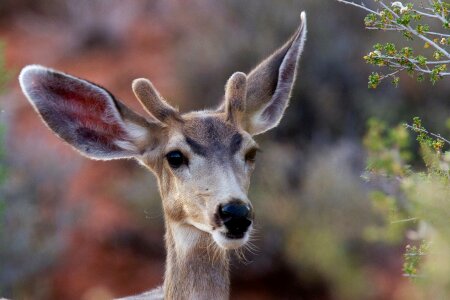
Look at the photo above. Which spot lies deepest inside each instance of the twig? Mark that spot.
(393, 62)
(443, 20)
(413, 276)
(396, 28)
(392, 25)
(404, 220)
(438, 33)
(444, 52)
(438, 136)
(434, 62)
(392, 74)
(424, 38)
(385, 28)
(362, 6)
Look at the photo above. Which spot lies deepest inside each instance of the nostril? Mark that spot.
(233, 210)
(237, 227)
(236, 218)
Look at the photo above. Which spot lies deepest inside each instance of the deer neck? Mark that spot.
(195, 267)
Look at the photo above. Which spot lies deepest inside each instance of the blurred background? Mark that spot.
(72, 228)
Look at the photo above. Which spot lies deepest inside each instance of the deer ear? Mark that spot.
(86, 116)
(270, 84)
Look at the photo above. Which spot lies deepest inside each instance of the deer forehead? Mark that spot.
(209, 136)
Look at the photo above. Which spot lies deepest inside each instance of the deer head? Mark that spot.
(203, 159)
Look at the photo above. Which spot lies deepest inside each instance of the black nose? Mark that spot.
(236, 218)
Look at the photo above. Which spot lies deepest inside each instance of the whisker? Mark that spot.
(240, 255)
(255, 238)
(251, 249)
(245, 260)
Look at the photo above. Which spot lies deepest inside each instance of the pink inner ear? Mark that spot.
(86, 109)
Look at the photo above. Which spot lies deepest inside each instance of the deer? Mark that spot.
(202, 160)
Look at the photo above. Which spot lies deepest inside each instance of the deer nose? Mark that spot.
(236, 218)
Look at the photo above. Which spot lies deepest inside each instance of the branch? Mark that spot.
(438, 136)
(410, 29)
(393, 73)
(443, 20)
(424, 38)
(395, 20)
(404, 220)
(396, 28)
(438, 33)
(362, 6)
(414, 61)
(386, 28)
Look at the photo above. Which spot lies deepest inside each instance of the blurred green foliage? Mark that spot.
(413, 256)
(317, 225)
(4, 76)
(389, 148)
(414, 202)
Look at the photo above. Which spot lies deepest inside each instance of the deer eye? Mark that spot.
(250, 156)
(176, 159)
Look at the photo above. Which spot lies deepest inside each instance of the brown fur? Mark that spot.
(214, 144)
(200, 273)
(235, 98)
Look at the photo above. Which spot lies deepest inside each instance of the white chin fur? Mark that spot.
(227, 243)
